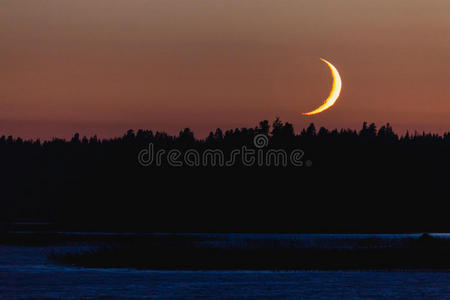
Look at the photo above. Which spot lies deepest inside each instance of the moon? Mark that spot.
(335, 91)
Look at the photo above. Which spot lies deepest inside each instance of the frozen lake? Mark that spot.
(26, 273)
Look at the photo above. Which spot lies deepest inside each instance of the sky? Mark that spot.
(105, 66)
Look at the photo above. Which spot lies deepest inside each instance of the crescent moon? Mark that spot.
(335, 91)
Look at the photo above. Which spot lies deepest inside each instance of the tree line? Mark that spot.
(371, 179)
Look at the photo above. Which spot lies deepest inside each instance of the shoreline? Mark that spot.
(188, 253)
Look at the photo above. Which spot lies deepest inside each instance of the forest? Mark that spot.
(366, 180)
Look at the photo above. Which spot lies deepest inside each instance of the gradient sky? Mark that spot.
(103, 66)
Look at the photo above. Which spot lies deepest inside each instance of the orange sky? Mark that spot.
(103, 66)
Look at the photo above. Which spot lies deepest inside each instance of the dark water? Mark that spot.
(26, 273)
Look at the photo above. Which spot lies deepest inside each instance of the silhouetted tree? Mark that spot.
(264, 127)
(310, 131)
